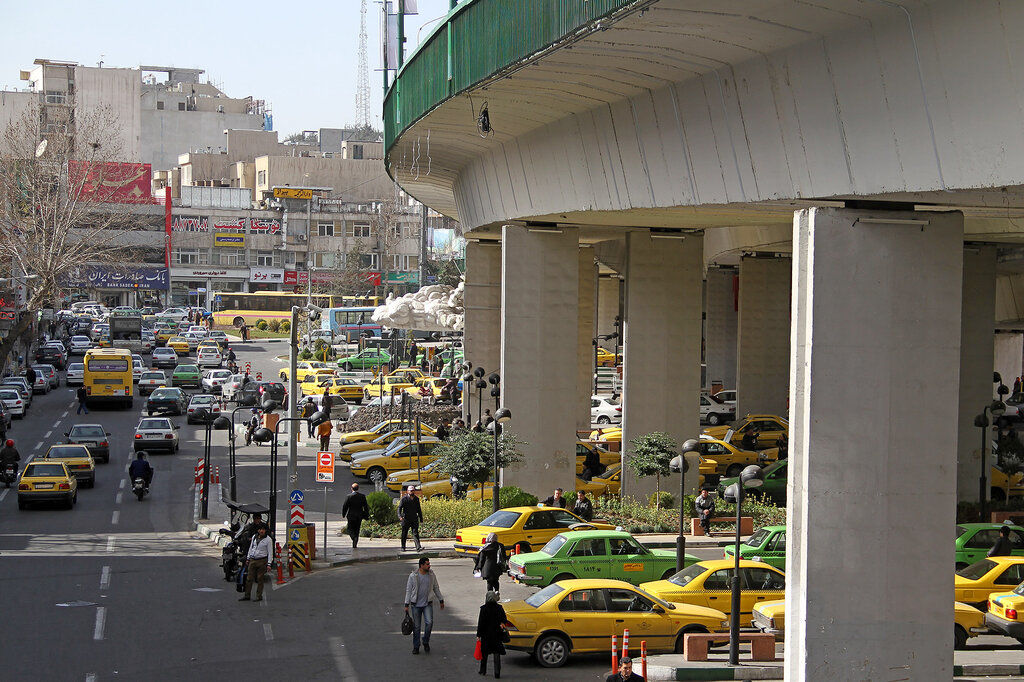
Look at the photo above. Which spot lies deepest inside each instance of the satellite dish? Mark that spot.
(40, 148)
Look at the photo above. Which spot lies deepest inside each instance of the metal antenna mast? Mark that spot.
(363, 76)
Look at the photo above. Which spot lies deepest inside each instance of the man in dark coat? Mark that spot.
(490, 561)
(410, 514)
(583, 507)
(355, 510)
(1003, 546)
(490, 632)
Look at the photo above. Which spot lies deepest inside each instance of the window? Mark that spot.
(265, 258)
(588, 547)
(325, 260)
(290, 257)
(624, 547)
(584, 600)
(181, 106)
(764, 579)
(627, 600)
(357, 151)
(983, 539)
(357, 230)
(232, 257)
(562, 518)
(159, 106)
(368, 260)
(778, 544)
(190, 256)
(539, 520)
(412, 262)
(1014, 575)
(325, 229)
(261, 177)
(719, 580)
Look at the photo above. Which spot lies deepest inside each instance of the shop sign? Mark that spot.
(267, 275)
(296, 277)
(100, 277)
(229, 239)
(268, 226)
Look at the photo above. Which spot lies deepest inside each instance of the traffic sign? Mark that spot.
(217, 298)
(297, 516)
(325, 467)
(296, 497)
(295, 534)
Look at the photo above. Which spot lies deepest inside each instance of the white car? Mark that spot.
(175, 314)
(214, 380)
(714, 411)
(75, 375)
(202, 402)
(727, 396)
(312, 337)
(209, 356)
(138, 368)
(98, 330)
(151, 380)
(605, 410)
(339, 408)
(193, 339)
(78, 344)
(165, 357)
(12, 401)
(231, 387)
(21, 384)
(220, 337)
(198, 329)
(155, 433)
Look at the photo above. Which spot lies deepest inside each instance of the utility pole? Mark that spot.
(362, 74)
(293, 385)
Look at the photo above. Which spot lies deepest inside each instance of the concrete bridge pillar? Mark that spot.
(720, 326)
(876, 328)
(540, 290)
(661, 372)
(482, 337)
(608, 296)
(762, 355)
(977, 321)
(587, 307)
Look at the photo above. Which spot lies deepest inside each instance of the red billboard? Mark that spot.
(294, 277)
(112, 183)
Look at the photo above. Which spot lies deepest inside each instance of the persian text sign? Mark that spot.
(268, 226)
(112, 183)
(99, 277)
(228, 239)
(190, 223)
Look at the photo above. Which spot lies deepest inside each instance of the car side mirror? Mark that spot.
(658, 609)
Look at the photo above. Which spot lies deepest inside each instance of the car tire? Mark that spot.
(347, 366)
(681, 638)
(551, 650)
(604, 419)
(733, 471)
(959, 637)
(714, 419)
(91, 483)
(149, 412)
(69, 503)
(176, 447)
(377, 475)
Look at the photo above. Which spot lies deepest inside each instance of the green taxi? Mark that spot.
(772, 490)
(767, 544)
(186, 375)
(606, 554)
(974, 540)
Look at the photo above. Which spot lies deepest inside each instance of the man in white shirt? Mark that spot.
(260, 550)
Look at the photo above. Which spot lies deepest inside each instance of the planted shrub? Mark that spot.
(511, 496)
(382, 508)
(261, 325)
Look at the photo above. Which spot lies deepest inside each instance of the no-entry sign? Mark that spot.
(325, 467)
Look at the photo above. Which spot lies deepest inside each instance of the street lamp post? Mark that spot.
(232, 470)
(996, 408)
(467, 396)
(500, 417)
(751, 477)
(209, 424)
(678, 465)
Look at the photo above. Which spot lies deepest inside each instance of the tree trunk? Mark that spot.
(14, 335)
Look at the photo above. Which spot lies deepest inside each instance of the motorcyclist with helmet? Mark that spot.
(9, 458)
(140, 468)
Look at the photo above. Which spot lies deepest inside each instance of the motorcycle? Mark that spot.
(139, 488)
(9, 473)
(232, 554)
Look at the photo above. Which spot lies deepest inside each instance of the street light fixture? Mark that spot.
(751, 477)
(500, 417)
(232, 468)
(209, 424)
(997, 408)
(679, 465)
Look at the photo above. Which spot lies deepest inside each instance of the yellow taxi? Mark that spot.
(162, 332)
(400, 479)
(728, 459)
(523, 527)
(1006, 613)
(606, 358)
(770, 618)
(769, 428)
(433, 384)
(381, 428)
(78, 460)
(377, 467)
(442, 487)
(304, 368)
(389, 385)
(1005, 486)
(312, 379)
(410, 375)
(44, 481)
(974, 584)
(609, 434)
(349, 389)
(708, 583)
(584, 448)
(381, 442)
(179, 344)
(611, 479)
(581, 615)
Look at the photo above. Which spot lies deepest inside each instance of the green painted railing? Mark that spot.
(477, 39)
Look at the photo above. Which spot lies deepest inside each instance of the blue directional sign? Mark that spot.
(295, 534)
(296, 497)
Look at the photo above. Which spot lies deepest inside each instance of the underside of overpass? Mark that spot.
(830, 195)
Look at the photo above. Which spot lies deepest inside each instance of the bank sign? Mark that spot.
(105, 277)
(229, 239)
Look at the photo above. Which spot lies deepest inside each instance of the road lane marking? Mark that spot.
(117, 500)
(38, 445)
(64, 415)
(268, 632)
(115, 518)
(110, 544)
(91, 677)
(121, 484)
(101, 621)
(4, 494)
(48, 433)
(105, 578)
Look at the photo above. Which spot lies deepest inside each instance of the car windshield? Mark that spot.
(76, 367)
(758, 538)
(554, 544)
(501, 519)
(539, 598)
(168, 393)
(80, 339)
(153, 375)
(775, 466)
(10, 395)
(154, 424)
(976, 570)
(44, 470)
(62, 451)
(87, 431)
(220, 374)
(688, 574)
(202, 400)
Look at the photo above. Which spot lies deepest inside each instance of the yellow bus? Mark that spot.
(108, 376)
(233, 308)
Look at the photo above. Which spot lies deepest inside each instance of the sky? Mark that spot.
(301, 59)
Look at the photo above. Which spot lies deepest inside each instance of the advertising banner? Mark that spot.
(112, 183)
(267, 226)
(295, 277)
(106, 277)
(266, 275)
(229, 223)
(190, 223)
(229, 239)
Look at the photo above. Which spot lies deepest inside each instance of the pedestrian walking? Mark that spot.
(30, 374)
(625, 673)
(260, 550)
(419, 588)
(490, 633)
(327, 403)
(355, 510)
(324, 432)
(1016, 385)
(82, 396)
(583, 507)
(413, 352)
(308, 408)
(555, 500)
(491, 562)
(410, 514)
(705, 506)
(1003, 546)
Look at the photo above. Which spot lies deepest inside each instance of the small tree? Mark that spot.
(651, 455)
(469, 456)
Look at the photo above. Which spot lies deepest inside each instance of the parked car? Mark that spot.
(12, 400)
(714, 411)
(605, 410)
(21, 384)
(365, 359)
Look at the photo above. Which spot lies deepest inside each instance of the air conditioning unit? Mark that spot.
(301, 237)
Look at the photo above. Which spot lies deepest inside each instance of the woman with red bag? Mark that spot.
(490, 633)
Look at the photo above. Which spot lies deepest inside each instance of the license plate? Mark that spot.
(44, 486)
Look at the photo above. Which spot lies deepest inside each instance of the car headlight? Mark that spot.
(725, 623)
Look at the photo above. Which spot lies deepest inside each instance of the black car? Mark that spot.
(93, 437)
(165, 400)
(52, 354)
(250, 393)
